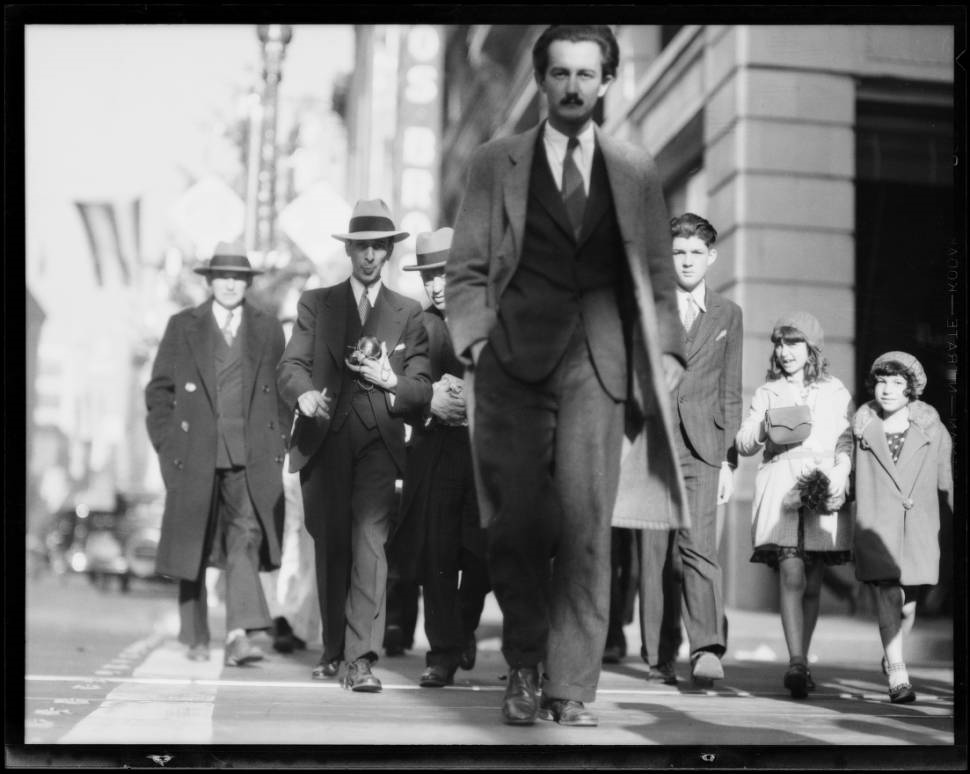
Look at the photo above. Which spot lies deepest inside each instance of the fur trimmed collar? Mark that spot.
(921, 414)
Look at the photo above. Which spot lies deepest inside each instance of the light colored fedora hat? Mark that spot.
(432, 249)
(371, 219)
(228, 257)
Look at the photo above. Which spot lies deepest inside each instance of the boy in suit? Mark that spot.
(708, 406)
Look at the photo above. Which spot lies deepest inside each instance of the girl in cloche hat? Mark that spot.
(903, 478)
(799, 524)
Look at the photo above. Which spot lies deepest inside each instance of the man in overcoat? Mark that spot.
(348, 437)
(438, 534)
(560, 293)
(220, 430)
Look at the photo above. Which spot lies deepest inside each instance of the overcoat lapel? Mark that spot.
(254, 350)
(623, 185)
(515, 184)
(911, 457)
(202, 346)
(875, 439)
(335, 313)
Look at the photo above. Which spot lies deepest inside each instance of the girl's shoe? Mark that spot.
(902, 694)
(796, 681)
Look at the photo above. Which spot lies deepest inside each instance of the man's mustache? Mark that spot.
(571, 99)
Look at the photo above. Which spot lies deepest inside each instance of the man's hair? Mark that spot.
(690, 225)
(816, 366)
(892, 368)
(601, 35)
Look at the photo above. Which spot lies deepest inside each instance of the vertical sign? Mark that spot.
(418, 141)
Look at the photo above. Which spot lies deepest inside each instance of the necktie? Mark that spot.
(363, 307)
(573, 192)
(690, 312)
(227, 330)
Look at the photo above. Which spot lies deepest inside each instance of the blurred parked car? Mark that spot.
(121, 543)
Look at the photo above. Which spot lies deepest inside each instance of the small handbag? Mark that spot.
(788, 425)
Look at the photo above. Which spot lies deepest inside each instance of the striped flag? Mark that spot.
(113, 236)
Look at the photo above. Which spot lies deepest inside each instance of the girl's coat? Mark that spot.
(898, 504)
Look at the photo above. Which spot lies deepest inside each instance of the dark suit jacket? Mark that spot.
(181, 401)
(315, 359)
(708, 398)
(485, 253)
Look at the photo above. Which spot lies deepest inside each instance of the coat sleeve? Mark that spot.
(945, 472)
(160, 390)
(294, 374)
(657, 253)
(748, 439)
(731, 383)
(413, 392)
(471, 316)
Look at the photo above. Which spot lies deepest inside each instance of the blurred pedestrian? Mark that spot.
(220, 431)
(800, 418)
(708, 406)
(439, 535)
(903, 480)
(354, 368)
(559, 288)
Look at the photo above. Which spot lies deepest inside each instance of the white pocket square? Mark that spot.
(399, 346)
(721, 335)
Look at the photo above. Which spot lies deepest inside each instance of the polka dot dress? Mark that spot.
(895, 441)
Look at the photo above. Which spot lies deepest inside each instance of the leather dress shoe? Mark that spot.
(240, 651)
(437, 676)
(613, 654)
(663, 672)
(326, 669)
(705, 668)
(359, 677)
(902, 694)
(567, 712)
(521, 702)
(284, 640)
(198, 653)
(468, 654)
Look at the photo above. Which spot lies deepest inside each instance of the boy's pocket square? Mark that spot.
(398, 347)
(721, 335)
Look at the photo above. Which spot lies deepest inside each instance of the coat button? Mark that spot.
(908, 503)
(265, 388)
(271, 425)
(184, 426)
(177, 464)
(279, 459)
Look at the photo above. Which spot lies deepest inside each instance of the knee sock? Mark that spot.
(897, 674)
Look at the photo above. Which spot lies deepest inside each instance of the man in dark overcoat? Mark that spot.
(220, 430)
(560, 297)
(438, 535)
(348, 438)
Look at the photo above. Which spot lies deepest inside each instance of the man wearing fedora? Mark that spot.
(560, 298)
(348, 436)
(438, 534)
(220, 430)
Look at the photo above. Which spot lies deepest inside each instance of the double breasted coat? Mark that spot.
(898, 504)
(485, 255)
(182, 416)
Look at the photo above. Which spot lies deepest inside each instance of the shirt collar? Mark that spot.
(558, 140)
(223, 315)
(358, 287)
(698, 293)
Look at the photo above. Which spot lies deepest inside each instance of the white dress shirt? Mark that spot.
(555, 145)
(222, 315)
(698, 295)
(358, 287)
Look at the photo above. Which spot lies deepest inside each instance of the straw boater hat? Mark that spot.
(371, 219)
(432, 249)
(228, 257)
